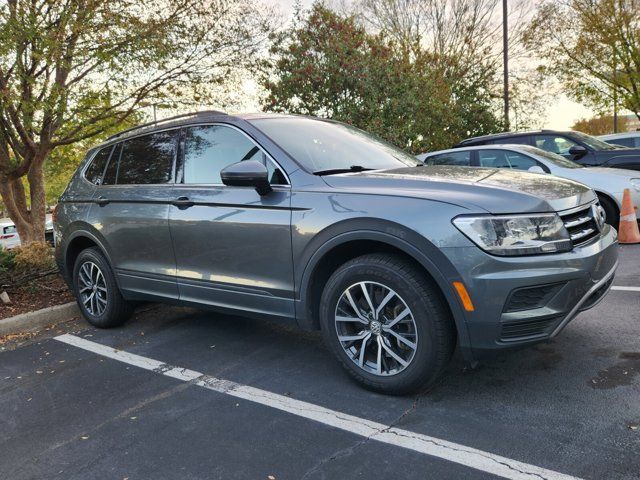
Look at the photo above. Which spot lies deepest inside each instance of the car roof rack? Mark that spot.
(203, 113)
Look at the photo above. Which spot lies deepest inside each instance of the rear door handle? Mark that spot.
(182, 203)
(102, 201)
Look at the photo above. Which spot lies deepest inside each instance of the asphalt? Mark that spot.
(571, 405)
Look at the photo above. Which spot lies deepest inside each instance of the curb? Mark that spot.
(29, 321)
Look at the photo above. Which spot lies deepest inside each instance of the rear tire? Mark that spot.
(399, 302)
(97, 293)
(611, 212)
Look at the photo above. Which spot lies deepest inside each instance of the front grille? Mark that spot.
(581, 224)
(513, 331)
(528, 298)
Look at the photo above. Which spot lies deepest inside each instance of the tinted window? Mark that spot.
(96, 169)
(320, 145)
(505, 159)
(462, 158)
(554, 144)
(625, 142)
(112, 169)
(147, 159)
(552, 157)
(510, 140)
(209, 149)
(592, 142)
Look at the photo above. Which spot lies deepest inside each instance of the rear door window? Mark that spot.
(461, 158)
(521, 140)
(96, 169)
(147, 160)
(112, 168)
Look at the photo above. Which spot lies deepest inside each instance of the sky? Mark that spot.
(561, 112)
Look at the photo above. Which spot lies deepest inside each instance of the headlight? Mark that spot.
(636, 184)
(509, 235)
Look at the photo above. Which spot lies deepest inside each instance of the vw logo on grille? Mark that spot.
(598, 215)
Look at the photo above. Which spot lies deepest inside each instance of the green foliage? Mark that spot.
(327, 65)
(74, 70)
(64, 160)
(7, 262)
(593, 47)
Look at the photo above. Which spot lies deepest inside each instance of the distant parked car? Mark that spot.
(9, 237)
(626, 139)
(608, 183)
(579, 147)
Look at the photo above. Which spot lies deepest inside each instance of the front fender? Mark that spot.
(409, 242)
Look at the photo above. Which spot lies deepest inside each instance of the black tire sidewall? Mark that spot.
(424, 366)
(111, 317)
(610, 210)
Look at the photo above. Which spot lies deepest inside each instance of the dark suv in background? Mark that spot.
(317, 223)
(579, 147)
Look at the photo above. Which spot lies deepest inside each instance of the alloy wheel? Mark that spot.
(376, 328)
(92, 288)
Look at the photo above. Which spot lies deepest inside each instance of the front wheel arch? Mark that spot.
(364, 242)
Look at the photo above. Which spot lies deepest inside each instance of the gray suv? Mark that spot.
(317, 223)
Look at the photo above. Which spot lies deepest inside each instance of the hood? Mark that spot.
(491, 189)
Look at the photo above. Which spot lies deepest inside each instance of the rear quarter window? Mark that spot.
(96, 168)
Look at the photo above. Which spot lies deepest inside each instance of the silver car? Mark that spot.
(321, 225)
(608, 183)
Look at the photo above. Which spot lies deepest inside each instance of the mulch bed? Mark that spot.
(43, 292)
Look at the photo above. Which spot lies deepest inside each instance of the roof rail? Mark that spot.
(168, 119)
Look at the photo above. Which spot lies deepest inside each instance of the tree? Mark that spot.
(596, 54)
(328, 65)
(71, 70)
(465, 40)
(599, 125)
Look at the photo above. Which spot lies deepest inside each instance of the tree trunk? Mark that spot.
(29, 220)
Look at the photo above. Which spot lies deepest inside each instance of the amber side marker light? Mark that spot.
(464, 296)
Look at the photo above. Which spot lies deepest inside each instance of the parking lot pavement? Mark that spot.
(571, 405)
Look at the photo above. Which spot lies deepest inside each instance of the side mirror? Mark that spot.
(248, 173)
(577, 151)
(536, 169)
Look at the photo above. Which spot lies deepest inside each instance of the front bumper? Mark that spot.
(524, 300)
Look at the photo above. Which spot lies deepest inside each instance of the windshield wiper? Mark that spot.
(335, 171)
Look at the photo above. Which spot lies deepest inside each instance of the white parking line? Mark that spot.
(626, 289)
(453, 452)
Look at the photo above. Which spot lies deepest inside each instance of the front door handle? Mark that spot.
(182, 203)
(102, 201)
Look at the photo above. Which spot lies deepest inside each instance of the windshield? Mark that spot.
(321, 145)
(557, 160)
(593, 142)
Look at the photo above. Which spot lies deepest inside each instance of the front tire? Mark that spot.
(97, 293)
(387, 324)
